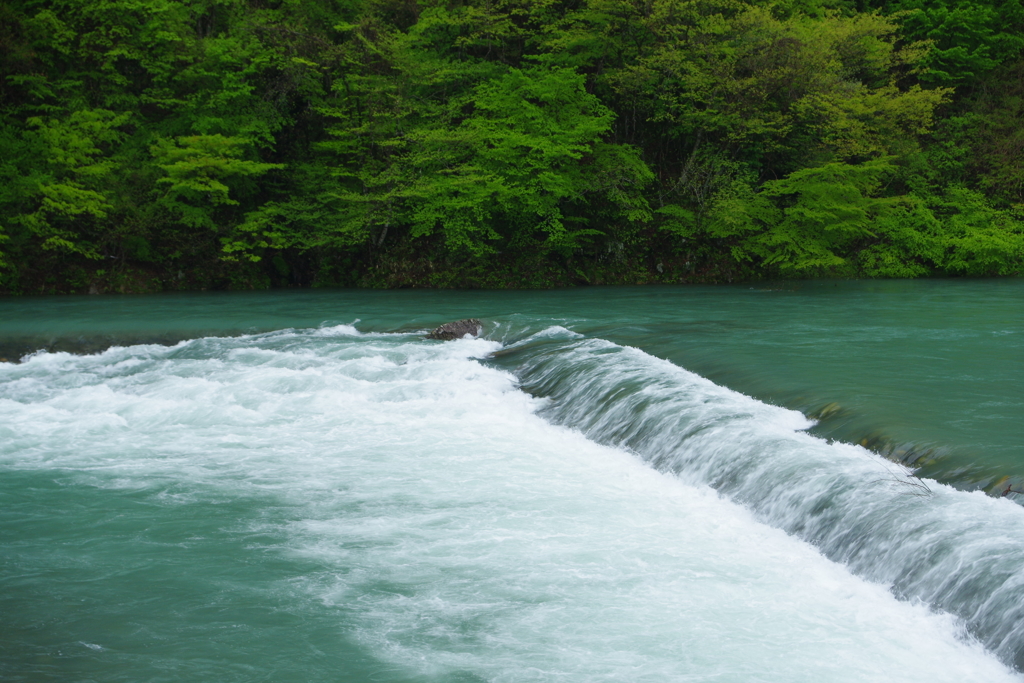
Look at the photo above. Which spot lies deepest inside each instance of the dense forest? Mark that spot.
(174, 144)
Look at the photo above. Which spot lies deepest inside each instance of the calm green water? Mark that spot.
(931, 371)
(307, 490)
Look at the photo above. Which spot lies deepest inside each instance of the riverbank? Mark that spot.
(405, 268)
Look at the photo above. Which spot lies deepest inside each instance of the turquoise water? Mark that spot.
(307, 490)
(931, 367)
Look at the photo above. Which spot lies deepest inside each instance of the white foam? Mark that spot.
(866, 512)
(459, 533)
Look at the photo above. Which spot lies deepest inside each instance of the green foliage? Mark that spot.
(198, 168)
(909, 243)
(316, 220)
(530, 150)
(67, 192)
(969, 39)
(805, 222)
(957, 233)
(299, 142)
(978, 239)
(825, 210)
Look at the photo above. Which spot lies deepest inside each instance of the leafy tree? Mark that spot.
(970, 39)
(805, 222)
(978, 239)
(198, 168)
(531, 150)
(68, 192)
(800, 137)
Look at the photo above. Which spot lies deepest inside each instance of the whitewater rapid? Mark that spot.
(958, 552)
(449, 526)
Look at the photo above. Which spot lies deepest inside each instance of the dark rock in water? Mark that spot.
(829, 410)
(457, 330)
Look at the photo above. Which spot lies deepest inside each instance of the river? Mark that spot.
(791, 482)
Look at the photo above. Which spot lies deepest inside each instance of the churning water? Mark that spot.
(347, 501)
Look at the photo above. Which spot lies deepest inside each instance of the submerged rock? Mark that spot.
(826, 411)
(457, 330)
